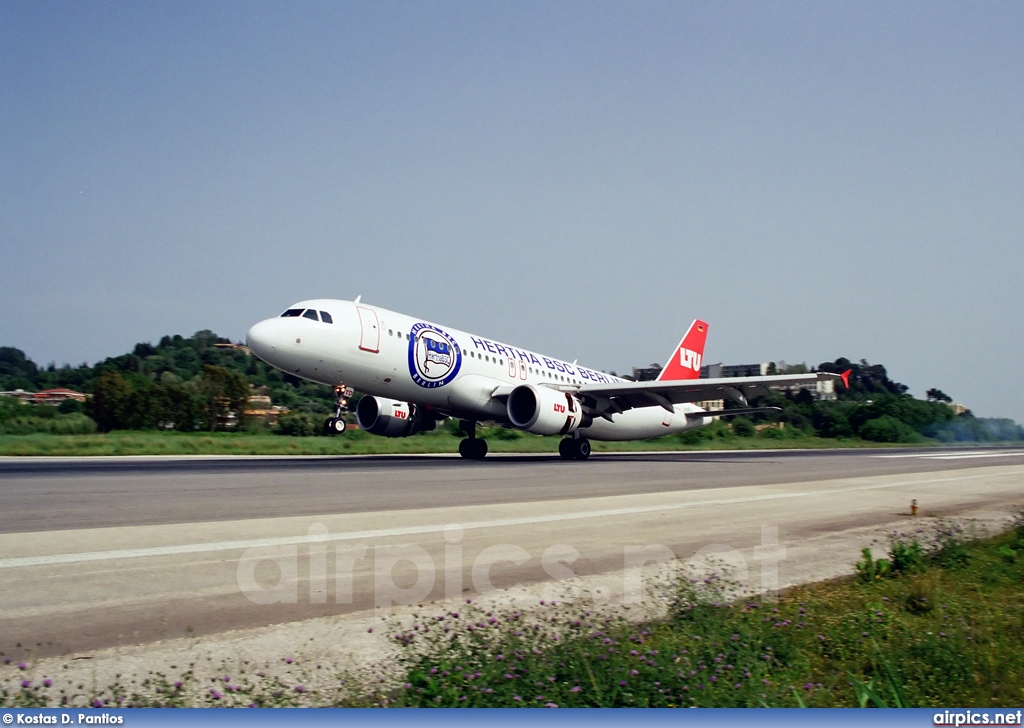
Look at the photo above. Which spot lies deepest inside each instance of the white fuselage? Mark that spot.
(388, 354)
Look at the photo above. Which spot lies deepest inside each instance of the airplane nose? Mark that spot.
(263, 338)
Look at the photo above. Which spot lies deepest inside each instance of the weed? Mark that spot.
(870, 569)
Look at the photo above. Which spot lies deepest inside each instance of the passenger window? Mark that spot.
(326, 317)
(292, 312)
(399, 334)
(390, 332)
(310, 314)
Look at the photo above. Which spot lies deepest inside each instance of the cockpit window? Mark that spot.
(310, 314)
(292, 312)
(326, 317)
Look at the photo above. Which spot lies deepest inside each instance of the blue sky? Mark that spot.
(814, 179)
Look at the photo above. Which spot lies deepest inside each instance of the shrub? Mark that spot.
(887, 429)
(60, 425)
(297, 424)
(742, 427)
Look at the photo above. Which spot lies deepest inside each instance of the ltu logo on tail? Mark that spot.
(690, 359)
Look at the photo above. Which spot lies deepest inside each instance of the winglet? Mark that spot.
(685, 361)
(845, 376)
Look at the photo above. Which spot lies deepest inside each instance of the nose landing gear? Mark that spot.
(574, 448)
(473, 447)
(336, 425)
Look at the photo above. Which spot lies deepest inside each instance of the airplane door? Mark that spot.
(511, 368)
(522, 369)
(369, 339)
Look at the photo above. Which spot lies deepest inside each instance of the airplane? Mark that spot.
(414, 373)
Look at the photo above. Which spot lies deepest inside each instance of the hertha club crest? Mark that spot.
(434, 357)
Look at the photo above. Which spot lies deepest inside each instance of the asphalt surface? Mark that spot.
(59, 494)
(113, 552)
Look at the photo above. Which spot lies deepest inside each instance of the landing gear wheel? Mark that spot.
(565, 449)
(329, 425)
(338, 425)
(581, 448)
(474, 449)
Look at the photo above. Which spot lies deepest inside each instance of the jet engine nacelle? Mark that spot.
(392, 418)
(544, 411)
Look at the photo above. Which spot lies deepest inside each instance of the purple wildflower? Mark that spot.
(26, 683)
(47, 682)
(300, 688)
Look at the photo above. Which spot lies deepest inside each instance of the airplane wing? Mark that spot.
(605, 400)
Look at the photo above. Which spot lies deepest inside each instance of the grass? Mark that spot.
(357, 442)
(944, 628)
(931, 634)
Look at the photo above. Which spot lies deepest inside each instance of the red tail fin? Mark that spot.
(685, 362)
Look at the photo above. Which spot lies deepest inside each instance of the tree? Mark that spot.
(111, 393)
(937, 395)
(219, 393)
(16, 371)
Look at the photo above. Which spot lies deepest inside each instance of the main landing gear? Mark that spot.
(336, 425)
(574, 448)
(473, 447)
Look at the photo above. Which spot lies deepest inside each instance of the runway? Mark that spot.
(102, 552)
(55, 494)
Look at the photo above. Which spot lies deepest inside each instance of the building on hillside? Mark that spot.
(646, 374)
(19, 394)
(958, 409)
(819, 390)
(56, 396)
(719, 371)
(234, 347)
(259, 407)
